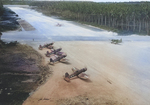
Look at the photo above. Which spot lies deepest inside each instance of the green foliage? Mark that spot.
(8, 23)
(117, 9)
(132, 17)
(1, 8)
(16, 2)
(4, 44)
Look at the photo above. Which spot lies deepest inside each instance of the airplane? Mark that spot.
(59, 25)
(57, 52)
(56, 58)
(76, 72)
(49, 46)
(116, 41)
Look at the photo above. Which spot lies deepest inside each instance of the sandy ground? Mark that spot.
(109, 81)
(22, 71)
(113, 69)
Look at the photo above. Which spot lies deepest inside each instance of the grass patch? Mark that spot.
(21, 72)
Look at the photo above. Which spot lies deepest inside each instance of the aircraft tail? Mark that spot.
(67, 77)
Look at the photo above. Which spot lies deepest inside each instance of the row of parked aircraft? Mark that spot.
(56, 56)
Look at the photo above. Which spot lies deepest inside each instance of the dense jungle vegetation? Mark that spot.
(1, 8)
(8, 19)
(125, 17)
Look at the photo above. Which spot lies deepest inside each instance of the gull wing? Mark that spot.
(64, 60)
(83, 75)
(74, 69)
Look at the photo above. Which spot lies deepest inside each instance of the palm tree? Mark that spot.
(0, 35)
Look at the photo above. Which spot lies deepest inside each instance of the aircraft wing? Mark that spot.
(74, 69)
(64, 60)
(83, 75)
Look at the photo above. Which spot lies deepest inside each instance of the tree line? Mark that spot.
(129, 16)
(1, 7)
(132, 17)
(16, 2)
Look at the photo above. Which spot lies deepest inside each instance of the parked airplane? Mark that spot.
(76, 72)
